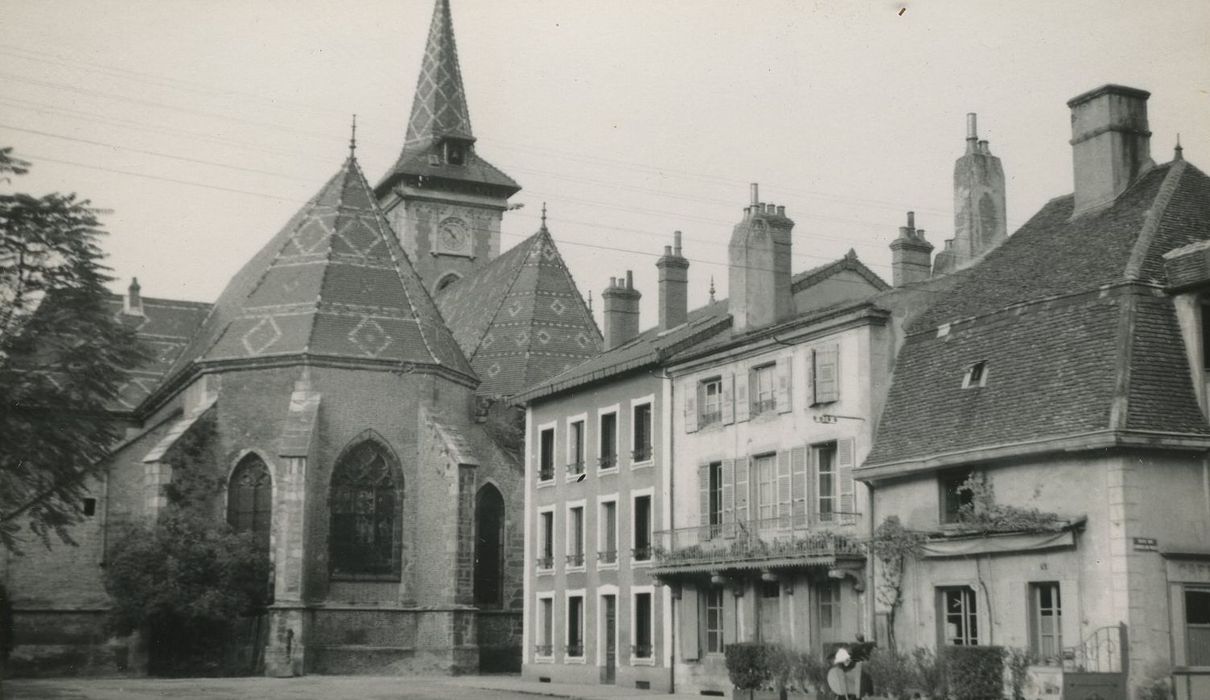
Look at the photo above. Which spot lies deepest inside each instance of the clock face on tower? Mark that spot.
(453, 237)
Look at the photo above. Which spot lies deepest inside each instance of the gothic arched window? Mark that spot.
(250, 499)
(489, 547)
(365, 507)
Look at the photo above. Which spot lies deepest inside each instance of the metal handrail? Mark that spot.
(752, 539)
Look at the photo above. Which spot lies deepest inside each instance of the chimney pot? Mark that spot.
(673, 285)
(621, 311)
(668, 250)
(972, 128)
(781, 210)
(676, 242)
(754, 192)
(911, 217)
(629, 279)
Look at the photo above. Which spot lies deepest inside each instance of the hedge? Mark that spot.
(975, 672)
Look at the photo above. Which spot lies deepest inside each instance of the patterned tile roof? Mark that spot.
(1069, 318)
(521, 319)
(165, 328)
(333, 283)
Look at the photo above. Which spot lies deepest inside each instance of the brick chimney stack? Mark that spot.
(1110, 143)
(621, 302)
(911, 254)
(674, 285)
(133, 303)
(759, 266)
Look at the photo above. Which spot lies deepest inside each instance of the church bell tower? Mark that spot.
(443, 200)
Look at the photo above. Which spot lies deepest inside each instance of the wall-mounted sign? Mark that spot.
(1146, 544)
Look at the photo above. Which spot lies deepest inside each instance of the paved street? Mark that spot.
(307, 688)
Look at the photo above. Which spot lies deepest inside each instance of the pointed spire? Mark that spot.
(353, 139)
(543, 227)
(1179, 151)
(439, 105)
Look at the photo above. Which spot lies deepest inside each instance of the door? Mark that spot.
(609, 673)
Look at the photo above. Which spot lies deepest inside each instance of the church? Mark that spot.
(351, 386)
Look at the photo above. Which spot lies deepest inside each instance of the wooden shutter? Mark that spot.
(783, 488)
(728, 399)
(827, 374)
(813, 485)
(690, 624)
(729, 497)
(691, 411)
(703, 484)
(800, 491)
(784, 383)
(742, 466)
(845, 487)
(741, 397)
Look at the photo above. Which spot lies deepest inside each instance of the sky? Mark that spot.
(202, 125)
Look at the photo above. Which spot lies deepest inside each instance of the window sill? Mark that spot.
(365, 578)
(573, 478)
(607, 567)
(546, 483)
(642, 661)
(641, 465)
(545, 572)
(575, 569)
(607, 472)
(573, 659)
(640, 563)
(544, 659)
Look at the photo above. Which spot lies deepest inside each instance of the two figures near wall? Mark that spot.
(847, 678)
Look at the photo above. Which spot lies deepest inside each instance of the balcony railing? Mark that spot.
(641, 454)
(575, 468)
(544, 649)
(575, 559)
(607, 461)
(575, 650)
(640, 651)
(753, 540)
(763, 406)
(642, 553)
(709, 418)
(608, 556)
(546, 472)
(546, 562)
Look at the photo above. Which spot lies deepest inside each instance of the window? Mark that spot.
(642, 626)
(546, 455)
(489, 547)
(546, 623)
(825, 375)
(959, 618)
(249, 499)
(575, 536)
(825, 470)
(1045, 620)
(642, 433)
(90, 507)
(1206, 337)
(714, 620)
(575, 446)
(766, 489)
(714, 498)
(642, 528)
(1197, 626)
(770, 612)
(763, 388)
(976, 375)
(711, 402)
(546, 555)
(575, 626)
(953, 497)
(455, 153)
(365, 502)
(609, 440)
(829, 605)
(608, 551)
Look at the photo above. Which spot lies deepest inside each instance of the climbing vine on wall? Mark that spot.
(892, 544)
(981, 513)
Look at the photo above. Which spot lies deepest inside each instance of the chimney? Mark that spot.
(674, 285)
(759, 266)
(911, 254)
(980, 219)
(133, 304)
(621, 301)
(1110, 143)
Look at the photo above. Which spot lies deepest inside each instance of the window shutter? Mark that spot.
(729, 497)
(741, 491)
(691, 411)
(783, 488)
(741, 397)
(809, 379)
(728, 399)
(827, 374)
(690, 624)
(845, 487)
(703, 489)
(800, 491)
(783, 385)
(813, 488)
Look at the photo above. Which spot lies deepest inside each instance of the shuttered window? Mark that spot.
(825, 374)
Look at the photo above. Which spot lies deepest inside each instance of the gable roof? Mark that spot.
(1068, 317)
(165, 328)
(849, 262)
(520, 319)
(333, 283)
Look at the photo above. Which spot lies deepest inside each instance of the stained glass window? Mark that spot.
(250, 499)
(365, 504)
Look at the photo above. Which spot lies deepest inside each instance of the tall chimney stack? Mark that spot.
(133, 303)
(674, 285)
(1110, 142)
(911, 254)
(759, 266)
(621, 302)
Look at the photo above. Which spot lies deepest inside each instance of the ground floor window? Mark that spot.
(1197, 626)
(770, 611)
(959, 622)
(1045, 620)
(575, 626)
(714, 620)
(546, 623)
(642, 626)
(829, 605)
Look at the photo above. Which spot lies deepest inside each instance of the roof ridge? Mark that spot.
(1155, 214)
(327, 267)
(1119, 405)
(562, 266)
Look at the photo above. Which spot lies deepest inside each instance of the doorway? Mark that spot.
(609, 612)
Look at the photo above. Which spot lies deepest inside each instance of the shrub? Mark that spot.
(975, 673)
(811, 672)
(892, 673)
(929, 670)
(1018, 661)
(748, 665)
(781, 663)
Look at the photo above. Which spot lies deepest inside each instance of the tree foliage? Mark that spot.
(892, 544)
(63, 357)
(981, 513)
(187, 579)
